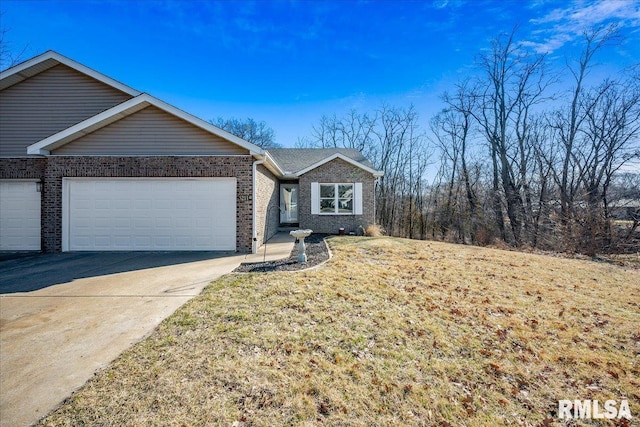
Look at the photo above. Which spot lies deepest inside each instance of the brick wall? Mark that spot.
(52, 169)
(336, 171)
(267, 202)
(22, 168)
(58, 167)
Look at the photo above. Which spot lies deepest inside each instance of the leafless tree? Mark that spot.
(258, 133)
(9, 56)
(391, 138)
(611, 133)
(516, 161)
(513, 80)
(452, 129)
(568, 122)
(354, 130)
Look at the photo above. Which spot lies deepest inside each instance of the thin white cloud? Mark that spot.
(564, 25)
(441, 4)
(533, 4)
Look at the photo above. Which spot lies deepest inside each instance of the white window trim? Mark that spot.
(336, 198)
(357, 198)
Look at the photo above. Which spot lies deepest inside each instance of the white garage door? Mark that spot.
(149, 214)
(19, 216)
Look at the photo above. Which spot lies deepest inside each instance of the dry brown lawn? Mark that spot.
(389, 332)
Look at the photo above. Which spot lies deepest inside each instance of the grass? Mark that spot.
(389, 332)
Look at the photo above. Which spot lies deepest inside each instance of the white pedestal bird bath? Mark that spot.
(300, 235)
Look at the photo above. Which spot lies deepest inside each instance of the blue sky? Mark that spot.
(290, 62)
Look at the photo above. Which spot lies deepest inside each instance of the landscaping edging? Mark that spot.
(317, 253)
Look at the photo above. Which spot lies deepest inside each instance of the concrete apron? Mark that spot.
(54, 339)
(279, 246)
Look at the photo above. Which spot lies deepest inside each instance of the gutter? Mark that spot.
(254, 198)
(263, 157)
(275, 168)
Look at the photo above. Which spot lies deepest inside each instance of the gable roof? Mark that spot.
(298, 161)
(49, 59)
(139, 100)
(125, 109)
(290, 162)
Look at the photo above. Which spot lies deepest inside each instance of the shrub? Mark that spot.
(373, 230)
(484, 236)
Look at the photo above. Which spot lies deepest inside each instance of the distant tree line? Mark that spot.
(258, 133)
(518, 160)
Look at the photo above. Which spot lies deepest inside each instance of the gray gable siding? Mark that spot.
(47, 103)
(150, 131)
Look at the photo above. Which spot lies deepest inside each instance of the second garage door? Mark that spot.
(149, 214)
(19, 216)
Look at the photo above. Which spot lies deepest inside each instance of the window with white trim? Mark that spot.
(336, 198)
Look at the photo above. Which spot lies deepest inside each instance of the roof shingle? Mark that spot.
(293, 160)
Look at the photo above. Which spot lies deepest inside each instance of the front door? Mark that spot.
(288, 203)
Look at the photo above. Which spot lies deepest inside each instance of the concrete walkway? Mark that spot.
(277, 247)
(54, 338)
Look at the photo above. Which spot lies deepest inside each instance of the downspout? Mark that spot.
(254, 198)
(376, 182)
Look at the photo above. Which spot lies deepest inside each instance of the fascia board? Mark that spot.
(252, 148)
(349, 160)
(69, 63)
(60, 137)
(275, 164)
(127, 108)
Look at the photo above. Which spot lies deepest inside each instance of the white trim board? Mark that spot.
(349, 160)
(30, 68)
(125, 109)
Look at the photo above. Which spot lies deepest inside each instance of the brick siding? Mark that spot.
(52, 169)
(336, 171)
(267, 202)
(22, 168)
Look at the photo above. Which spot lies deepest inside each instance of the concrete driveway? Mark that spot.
(64, 316)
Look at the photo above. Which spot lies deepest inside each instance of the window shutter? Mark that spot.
(315, 198)
(358, 198)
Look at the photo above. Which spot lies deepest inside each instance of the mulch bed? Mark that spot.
(316, 253)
